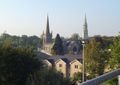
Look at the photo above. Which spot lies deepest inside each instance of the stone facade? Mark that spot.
(68, 66)
(75, 67)
(61, 65)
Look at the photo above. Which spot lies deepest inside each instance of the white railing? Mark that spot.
(100, 79)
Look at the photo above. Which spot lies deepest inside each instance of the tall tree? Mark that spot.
(57, 48)
(96, 58)
(16, 64)
(115, 54)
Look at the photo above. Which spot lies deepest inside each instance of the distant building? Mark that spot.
(70, 46)
(61, 66)
(49, 62)
(75, 67)
(68, 65)
(85, 30)
(47, 38)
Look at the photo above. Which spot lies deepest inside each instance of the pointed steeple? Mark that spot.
(47, 26)
(85, 30)
(85, 23)
(48, 37)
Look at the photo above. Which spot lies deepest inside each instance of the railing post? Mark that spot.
(118, 79)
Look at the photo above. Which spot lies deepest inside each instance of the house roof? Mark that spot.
(42, 56)
(52, 59)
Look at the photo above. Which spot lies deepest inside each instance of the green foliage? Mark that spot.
(75, 36)
(19, 66)
(47, 77)
(16, 64)
(115, 52)
(96, 58)
(105, 41)
(57, 48)
(78, 77)
(114, 81)
(23, 41)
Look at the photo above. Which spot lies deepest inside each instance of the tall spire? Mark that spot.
(48, 37)
(47, 26)
(85, 30)
(85, 20)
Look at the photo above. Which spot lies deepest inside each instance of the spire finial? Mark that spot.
(47, 26)
(85, 20)
(85, 30)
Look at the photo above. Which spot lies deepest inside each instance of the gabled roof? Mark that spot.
(42, 56)
(61, 60)
(74, 61)
(50, 61)
(66, 58)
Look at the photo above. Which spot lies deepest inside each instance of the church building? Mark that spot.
(70, 46)
(47, 38)
(70, 63)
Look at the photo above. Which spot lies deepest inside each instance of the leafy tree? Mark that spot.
(75, 36)
(78, 77)
(105, 41)
(23, 41)
(16, 64)
(114, 81)
(57, 48)
(96, 59)
(47, 77)
(115, 53)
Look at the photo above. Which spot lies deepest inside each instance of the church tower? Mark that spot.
(85, 30)
(48, 35)
(47, 38)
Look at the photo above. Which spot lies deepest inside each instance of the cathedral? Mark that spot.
(47, 38)
(70, 46)
(70, 63)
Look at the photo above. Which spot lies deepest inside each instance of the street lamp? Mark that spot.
(83, 61)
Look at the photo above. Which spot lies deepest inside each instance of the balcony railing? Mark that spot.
(100, 79)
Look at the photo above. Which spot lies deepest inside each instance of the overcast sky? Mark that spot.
(18, 17)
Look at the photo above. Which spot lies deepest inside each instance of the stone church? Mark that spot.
(70, 63)
(70, 46)
(47, 38)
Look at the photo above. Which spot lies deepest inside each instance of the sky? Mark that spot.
(28, 17)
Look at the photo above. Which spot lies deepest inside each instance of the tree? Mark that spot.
(57, 48)
(96, 58)
(75, 36)
(115, 53)
(16, 64)
(78, 77)
(47, 77)
(23, 41)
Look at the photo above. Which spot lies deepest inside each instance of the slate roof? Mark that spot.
(52, 59)
(42, 56)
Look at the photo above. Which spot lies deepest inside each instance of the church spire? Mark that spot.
(85, 30)
(47, 26)
(48, 36)
(85, 20)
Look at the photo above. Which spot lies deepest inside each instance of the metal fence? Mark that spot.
(100, 79)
